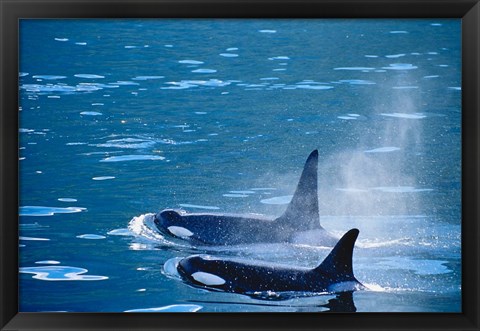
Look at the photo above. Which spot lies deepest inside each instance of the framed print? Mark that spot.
(240, 165)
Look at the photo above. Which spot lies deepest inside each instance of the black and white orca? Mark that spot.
(333, 275)
(299, 223)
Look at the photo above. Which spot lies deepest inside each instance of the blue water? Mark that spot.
(123, 118)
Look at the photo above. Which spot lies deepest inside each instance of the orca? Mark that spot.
(333, 275)
(298, 223)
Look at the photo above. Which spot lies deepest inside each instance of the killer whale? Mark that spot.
(301, 217)
(333, 275)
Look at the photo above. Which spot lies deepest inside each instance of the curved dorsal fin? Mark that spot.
(302, 212)
(339, 261)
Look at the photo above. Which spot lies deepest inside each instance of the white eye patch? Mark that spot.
(208, 279)
(180, 231)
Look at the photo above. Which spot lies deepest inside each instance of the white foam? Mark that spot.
(180, 231)
(398, 32)
(120, 232)
(208, 279)
(343, 287)
(61, 39)
(228, 55)
(346, 117)
(267, 31)
(281, 200)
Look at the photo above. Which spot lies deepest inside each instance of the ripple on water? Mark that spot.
(357, 82)
(89, 76)
(418, 266)
(204, 71)
(47, 211)
(401, 189)
(147, 77)
(60, 273)
(33, 239)
(400, 66)
(49, 77)
(355, 68)
(91, 236)
(103, 178)
(232, 195)
(48, 262)
(186, 205)
(124, 158)
(281, 200)
(383, 150)
(90, 113)
(67, 200)
(134, 143)
(414, 116)
(228, 54)
(394, 56)
(167, 309)
(267, 31)
(190, 62)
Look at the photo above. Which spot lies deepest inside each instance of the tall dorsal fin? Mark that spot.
(302, 212)
(339, 261)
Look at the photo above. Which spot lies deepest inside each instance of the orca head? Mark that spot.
(170, 221)
(167, 217)
(200, 271)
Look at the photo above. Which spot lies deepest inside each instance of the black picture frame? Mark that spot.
(13, 10)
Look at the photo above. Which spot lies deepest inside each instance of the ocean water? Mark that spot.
(123, 118)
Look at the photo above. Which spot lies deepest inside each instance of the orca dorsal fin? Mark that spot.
(339, 261)
(302, 212)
